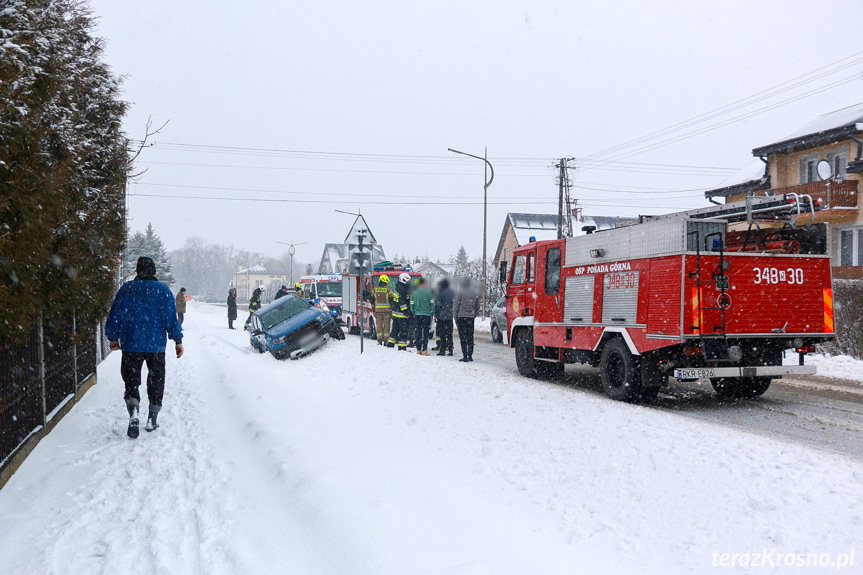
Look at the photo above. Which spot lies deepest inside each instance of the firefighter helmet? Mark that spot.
(298, 286)
(263, 288)
(385, 279)
(404, 278)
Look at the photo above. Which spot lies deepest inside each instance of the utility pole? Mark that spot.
(291, 251)
(564, 203)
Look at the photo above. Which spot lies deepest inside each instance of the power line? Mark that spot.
(743, 102)
(711, 127)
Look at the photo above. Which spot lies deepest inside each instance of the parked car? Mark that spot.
(290, 327)
(498, 321)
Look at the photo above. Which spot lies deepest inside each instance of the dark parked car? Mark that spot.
(498, 321)
(290, 327)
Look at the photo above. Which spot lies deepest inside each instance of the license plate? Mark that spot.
(692, 373)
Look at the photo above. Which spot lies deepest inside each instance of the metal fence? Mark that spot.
(39, 376)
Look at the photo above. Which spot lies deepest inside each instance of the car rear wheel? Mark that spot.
(496, 336)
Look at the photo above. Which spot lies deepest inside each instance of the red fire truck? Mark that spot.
(352, 295)
(683, 295)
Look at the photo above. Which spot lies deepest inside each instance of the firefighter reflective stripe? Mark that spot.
(828, 310)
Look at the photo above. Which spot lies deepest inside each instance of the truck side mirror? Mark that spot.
(502, 272)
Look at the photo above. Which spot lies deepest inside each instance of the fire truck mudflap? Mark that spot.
(680, 297)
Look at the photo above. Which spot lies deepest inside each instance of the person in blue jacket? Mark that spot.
(141, 319)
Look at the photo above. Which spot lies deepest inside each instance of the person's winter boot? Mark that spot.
(151, 417)
(441, 352)
(132, 407)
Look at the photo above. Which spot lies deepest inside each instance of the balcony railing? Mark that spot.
(833, 194)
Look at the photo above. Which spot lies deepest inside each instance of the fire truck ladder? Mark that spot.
(784, 207)
(720, 280)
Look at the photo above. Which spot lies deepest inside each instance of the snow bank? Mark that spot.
(389, 462)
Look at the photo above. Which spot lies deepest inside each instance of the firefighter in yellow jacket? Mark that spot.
(400, 305)
(381, 295)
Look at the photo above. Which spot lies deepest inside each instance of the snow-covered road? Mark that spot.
(388, 462)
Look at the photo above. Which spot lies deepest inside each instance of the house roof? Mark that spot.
(336, 252)
(544, 227)
(748, 179)
(823, 130)
(448, 269)
(253, 270)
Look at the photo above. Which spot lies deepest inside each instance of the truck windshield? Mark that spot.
(290, 307)
(332, 289)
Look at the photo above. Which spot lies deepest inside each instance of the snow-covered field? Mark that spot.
(393, 463)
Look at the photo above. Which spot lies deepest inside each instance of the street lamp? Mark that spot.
(488, 181)
(291, 251)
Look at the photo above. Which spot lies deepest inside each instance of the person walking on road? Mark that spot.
(422, 305)
(443, 317)
(142, 318)
(232, 307)
(254, 304)
(400, 306)
(181, 304)
(465, 308)
(381, 299)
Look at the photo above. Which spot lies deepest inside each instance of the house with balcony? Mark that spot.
(798, 164)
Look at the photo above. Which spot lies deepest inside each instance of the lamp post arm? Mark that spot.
(490, 167)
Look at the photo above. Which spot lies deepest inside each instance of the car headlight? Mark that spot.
(280, 339)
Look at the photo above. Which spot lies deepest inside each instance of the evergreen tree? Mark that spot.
(147, 244)
(462, 263)
(63, 166)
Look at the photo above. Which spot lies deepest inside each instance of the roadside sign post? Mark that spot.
(360, 242)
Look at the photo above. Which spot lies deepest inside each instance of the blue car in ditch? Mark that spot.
(290, 327)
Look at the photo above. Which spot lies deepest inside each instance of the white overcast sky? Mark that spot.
(318, 106)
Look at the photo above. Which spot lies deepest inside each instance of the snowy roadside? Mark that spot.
(388, 462)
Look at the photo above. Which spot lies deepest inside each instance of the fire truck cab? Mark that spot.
(674, 296)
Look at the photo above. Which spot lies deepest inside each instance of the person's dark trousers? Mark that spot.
(422, 334)
(412, 330)
(130, 370)
(444, 328)
(180, 317)
(465, 335)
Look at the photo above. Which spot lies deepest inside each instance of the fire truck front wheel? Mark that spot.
(621, 378)
(524, 353)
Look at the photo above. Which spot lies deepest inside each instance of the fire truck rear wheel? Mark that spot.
(621, 379)
(740, 387)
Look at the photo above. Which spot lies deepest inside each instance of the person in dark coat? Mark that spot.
(181, 304)
(254, 304)
(465, 308)
(142, 317)
(443, 316)
(283, 291)
(232, 307)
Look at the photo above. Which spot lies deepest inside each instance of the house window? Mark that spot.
(838, 162)
(851, 247)
(807, 169)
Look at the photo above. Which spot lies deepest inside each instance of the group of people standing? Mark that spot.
(403, 315)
